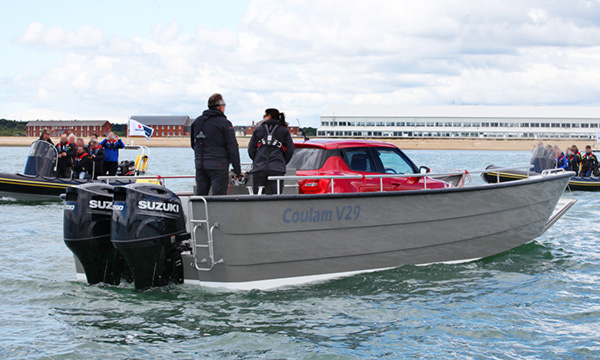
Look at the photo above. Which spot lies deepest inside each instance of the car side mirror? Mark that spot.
(424, 170)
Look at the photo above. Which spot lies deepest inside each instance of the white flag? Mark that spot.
(139, 129)
(598, 136)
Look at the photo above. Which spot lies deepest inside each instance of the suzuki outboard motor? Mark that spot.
(87, 216)
(148, 227)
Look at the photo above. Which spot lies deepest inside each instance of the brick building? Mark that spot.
(166, 126)
(294, 130)
(83, 128)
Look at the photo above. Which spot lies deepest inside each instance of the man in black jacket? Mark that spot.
(215, 147)
(96, 160)
(45, 136)
(66, 152)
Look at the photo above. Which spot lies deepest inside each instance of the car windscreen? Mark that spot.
(391, 161)
(306, 159)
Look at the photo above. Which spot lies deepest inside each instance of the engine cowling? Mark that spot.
(86, 230)
(148, 227)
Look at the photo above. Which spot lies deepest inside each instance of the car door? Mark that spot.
(359, 160)
(391, 161)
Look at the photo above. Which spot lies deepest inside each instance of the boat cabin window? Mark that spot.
(307, 159)
(391, 161)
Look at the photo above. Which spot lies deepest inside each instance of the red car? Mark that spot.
(355, 157)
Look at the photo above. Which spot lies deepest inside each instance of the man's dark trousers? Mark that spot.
(217, 179)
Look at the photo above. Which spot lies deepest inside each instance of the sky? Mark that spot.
(112, 59)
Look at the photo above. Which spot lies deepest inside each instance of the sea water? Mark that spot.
(538, 301)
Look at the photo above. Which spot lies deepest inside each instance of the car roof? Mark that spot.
(337, 143)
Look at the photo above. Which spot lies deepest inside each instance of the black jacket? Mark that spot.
(94, 165)
(218, 147)
(69, 149)
(49, 140)
(81, 162)
(278, 157)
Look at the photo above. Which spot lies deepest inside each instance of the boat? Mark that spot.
(39, 182)
(155, 237)
(540, 162)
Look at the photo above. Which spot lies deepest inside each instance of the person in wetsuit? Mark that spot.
(573, 159)
(270, 148)
(215, 147)
(589, 163)
(65, 151)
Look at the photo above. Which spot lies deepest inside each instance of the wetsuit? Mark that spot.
(269, 157)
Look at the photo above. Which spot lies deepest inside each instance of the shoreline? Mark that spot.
(405, 144)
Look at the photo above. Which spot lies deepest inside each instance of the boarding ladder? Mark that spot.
(202, 222)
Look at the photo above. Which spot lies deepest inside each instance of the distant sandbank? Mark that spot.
(408, 144)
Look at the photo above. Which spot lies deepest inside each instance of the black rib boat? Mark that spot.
(39, 182)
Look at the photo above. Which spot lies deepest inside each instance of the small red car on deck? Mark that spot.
(355, 157)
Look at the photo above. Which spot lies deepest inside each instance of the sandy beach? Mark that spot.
(408, 144)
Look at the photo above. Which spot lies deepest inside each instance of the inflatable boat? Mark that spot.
(39, 182)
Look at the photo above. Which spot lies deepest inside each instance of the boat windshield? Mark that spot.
(41, 159)
(543, 157)
(306, 159)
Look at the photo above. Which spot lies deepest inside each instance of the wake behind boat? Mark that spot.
(40, 182)
(148, 233)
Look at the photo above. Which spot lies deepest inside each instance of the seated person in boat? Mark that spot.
(45, 136)
(270, 148)
(96, 157)
(561, 159)
(589, 163)
(80, 163)
(66, 151)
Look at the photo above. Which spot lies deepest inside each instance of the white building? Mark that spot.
(466, 121)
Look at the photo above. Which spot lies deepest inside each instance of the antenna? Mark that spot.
(306, 138)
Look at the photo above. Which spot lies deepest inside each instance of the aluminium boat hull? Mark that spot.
(270, 241)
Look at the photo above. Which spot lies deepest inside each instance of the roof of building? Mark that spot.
(464, 111)
(67, 123)
(154, 120)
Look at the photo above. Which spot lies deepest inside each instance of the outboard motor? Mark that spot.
(148, 227)
(87, 216)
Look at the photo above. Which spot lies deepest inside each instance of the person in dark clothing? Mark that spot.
(45, 136)
(96, 158)
(65, 151)
(215, 147)
(589, 163)
(572, 160)
(270, 148)
(111, 146)
(80, 163)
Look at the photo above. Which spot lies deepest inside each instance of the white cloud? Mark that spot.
(303, 55)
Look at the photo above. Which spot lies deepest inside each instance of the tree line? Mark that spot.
(13, 128)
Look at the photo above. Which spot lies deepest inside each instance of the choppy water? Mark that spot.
(541, 300)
